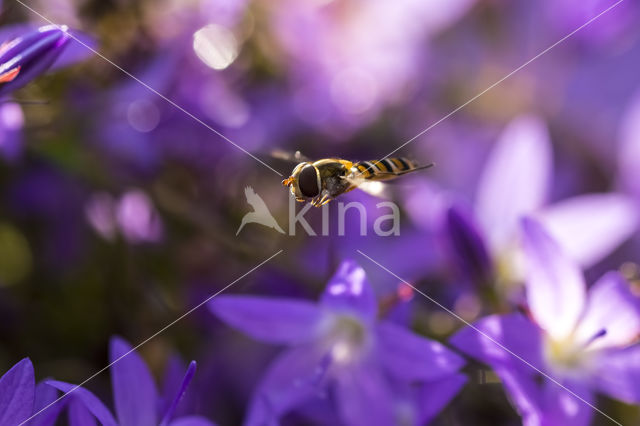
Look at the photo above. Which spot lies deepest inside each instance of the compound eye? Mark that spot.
(308, 181)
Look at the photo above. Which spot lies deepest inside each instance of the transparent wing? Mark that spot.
(376, 188)
(294, 157)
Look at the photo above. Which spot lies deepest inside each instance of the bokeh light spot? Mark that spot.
(137, 218)
(100, 212)
(11, 116)
(216, 46)
(468, 306)
(143, 115)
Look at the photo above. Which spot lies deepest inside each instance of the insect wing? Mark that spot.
(293, 157)
(375, 188)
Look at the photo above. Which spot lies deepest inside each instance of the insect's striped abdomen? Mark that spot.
(384, 169)
(402, 164)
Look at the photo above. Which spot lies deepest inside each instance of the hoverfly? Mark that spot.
(323, 180)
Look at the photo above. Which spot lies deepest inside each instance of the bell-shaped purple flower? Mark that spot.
(514, 183)
(587, 341)
(339, 348)
(26, 57)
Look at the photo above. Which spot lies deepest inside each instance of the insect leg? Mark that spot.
(324, 200)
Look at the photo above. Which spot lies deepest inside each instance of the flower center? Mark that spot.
(346, 338)
(569, 355)
(509, 267)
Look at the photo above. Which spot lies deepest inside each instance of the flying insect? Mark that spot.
(319, 182)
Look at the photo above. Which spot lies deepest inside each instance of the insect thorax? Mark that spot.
(332, 173)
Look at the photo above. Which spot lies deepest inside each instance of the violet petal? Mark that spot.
(363, 397)
(79, 415)
(555, 285)
(613, 308)
(515, 179)
(46, 395)
(468, 246)
(588, 237)
(134, 392)
(90, 401)
(17, 393)
(409, 357)
(349, 290)
(191, 370)
(294, 377)
(618, 374)
(514, 332)
(269, 320)
(434, 396)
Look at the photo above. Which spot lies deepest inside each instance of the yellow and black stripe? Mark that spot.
(386, 168)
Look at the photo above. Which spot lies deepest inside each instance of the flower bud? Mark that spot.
(26, 57)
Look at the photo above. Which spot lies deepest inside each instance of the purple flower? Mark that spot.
(340, 347)
(135, 396)
(583, 340)
(515, 183)
(20, 398)
(26, 57)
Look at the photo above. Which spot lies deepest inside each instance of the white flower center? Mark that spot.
(570, 356)
(346, 338)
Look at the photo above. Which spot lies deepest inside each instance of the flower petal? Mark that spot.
(610, 306)
(542, 402)
(46, 395)
(590, 227)
(192, 421)
(409, 357)
(171, 380)
(349, 290)
(562, 408)
(363, 397)
(13, 31)
(555, 285)
(523, 392)
(79, 415)
(74, 51)
(293, 378)
(468, 246)
(514, 332)
(434, 396)
(17, 393)
(90, 401)
(515, 179)
(618, 374)
(134, 392)
(269, 320)
(179, 393)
